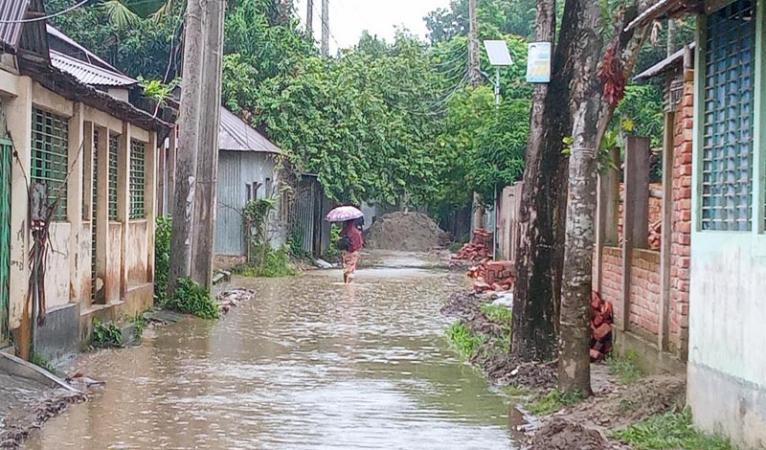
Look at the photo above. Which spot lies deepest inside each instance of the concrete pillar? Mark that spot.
(635, 227)
(19, 116)
(667, 229)
(171, 168)
(607, 209)
(102, 216)
(150, 201)
(75, 202)
(123, 204)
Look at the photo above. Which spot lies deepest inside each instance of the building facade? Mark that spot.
(88, 155)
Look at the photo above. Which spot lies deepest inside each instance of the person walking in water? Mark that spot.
(351, 244)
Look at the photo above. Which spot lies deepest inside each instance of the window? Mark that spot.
(114, 152)
(137, 179)
(50, 157)
(727, 143)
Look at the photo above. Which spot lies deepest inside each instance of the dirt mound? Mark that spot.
(405, 231)
(561, 434)
(625, 405)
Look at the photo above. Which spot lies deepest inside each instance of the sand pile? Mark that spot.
(410, 231)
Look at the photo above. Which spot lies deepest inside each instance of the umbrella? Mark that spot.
(344, 213)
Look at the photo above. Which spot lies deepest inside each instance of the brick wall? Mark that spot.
(680, 252)
(645, 293)
(645, 281)
(611, 281)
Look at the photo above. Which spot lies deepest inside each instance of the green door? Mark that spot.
(5, 235)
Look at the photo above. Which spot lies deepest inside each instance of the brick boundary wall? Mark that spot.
(680, 252)
(646, 288)
(645, 294)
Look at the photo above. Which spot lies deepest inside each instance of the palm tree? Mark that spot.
(126, 13)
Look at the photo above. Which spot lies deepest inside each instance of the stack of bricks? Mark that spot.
(492, 276)
(478, 249)
(680, 250)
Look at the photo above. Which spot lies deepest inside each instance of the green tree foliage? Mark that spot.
(140, 46)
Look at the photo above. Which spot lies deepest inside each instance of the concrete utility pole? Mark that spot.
(325, 28)
(310, 19)
(203, 237)
(474, 76)
(188, 146)
(474, 73)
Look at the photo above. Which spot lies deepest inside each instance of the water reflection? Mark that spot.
(308, 364)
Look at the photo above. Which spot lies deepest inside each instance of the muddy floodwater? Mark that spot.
(308, 364)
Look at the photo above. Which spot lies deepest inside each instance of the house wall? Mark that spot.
(126, 255)
(235, 171)
(726, 387)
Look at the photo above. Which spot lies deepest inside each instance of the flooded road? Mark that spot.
(307, 364)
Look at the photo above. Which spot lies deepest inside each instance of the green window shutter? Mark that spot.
(727, 144)
(50, 157)
(114, 150)
(137, 179)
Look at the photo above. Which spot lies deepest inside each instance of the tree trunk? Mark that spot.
(188, 142)
(591, 117)
(539, 256)
(207, 166)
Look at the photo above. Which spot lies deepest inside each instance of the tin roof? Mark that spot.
(666, 64)
(234, 134)
(665, 8)
(88, 73)
(11, 11)
(86, 55)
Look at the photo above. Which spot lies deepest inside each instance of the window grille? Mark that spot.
(114, 152)
(137, 179)
(727, 144)
(50, 157)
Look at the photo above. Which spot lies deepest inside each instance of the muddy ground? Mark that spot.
(22, 420)
(584, 426)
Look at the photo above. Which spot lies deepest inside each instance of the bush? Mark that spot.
(332, 253)
(295, 243)
(191, 298)
(106, 335)
(275, 264)
(162, 232)
(466, 343)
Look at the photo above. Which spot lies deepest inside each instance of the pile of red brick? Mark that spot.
(478, 249)
(601, 320)
(492, 276)
(655, 235)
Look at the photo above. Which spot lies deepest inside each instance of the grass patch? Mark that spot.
(669, 430)
(455, 247)
(106, 335)
(498, 314)
(191, 298)
(554, 401)
(41, 361)
(625, 368)
(275, 264)
(465, 342)
(139, 325)
(516, 391)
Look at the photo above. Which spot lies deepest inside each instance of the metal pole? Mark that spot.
(497, 85)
